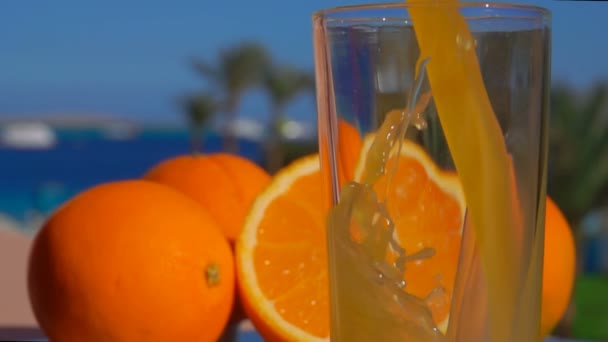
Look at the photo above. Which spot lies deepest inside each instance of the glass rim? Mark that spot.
(325, 14)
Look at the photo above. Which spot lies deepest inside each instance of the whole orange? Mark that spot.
(131, 261)
(222, 183)
(559, 267)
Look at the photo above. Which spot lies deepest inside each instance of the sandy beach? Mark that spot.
(16, 318)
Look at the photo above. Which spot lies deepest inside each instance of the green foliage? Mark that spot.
(285, 82)
(199, 109)
(578, 150)
(295, 150)
(282, 83)
(239, 68)
(591, 303)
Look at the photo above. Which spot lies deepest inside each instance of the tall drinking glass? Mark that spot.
(433, 144)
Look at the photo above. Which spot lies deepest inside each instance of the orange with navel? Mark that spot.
(131, 261)
(224, 184)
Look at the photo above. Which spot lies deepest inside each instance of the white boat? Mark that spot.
(247, 129)
(27, 135)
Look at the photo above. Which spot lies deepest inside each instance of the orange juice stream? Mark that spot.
(367, 292)
(477, 147)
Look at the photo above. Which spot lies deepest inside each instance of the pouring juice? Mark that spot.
(438, 236)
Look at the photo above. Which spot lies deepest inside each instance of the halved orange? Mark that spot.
(282, 258)
(281, 253)
(427, 206)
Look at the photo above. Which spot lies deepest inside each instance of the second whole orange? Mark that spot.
(224, 184)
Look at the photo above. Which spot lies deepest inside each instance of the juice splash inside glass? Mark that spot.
(432, 133)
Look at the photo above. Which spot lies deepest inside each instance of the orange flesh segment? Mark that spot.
(477, 147)
(312, 306)
(290, 258)
(349, 148)
(425, 216)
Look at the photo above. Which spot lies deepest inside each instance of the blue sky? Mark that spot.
(131, 61)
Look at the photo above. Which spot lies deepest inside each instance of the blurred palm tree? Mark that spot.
(199, 109)
(239, 68)
(578, 159)
(282, 83)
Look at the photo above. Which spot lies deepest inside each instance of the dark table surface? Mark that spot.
(33, 334)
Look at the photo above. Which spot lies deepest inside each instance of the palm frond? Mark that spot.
(199, 109)
(243, 66)
(578, 149)
(205, 69)
(284, 82)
